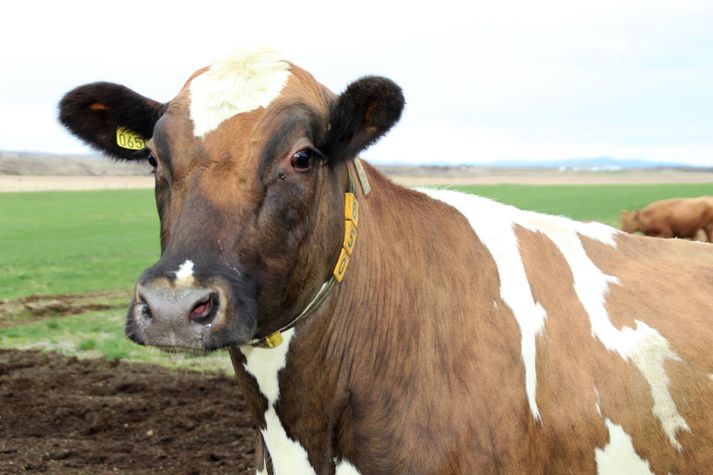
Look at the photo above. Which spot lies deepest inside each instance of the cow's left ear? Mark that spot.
(111, 118)
(364, 112)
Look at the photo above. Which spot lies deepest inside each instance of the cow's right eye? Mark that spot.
(302, 160)
(152, 160)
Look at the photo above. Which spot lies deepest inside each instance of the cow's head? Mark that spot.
(630, 221)
(250, 160)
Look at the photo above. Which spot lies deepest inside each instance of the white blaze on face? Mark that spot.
(619, 456)
(643, 346)
(184, 274)
(288, 456)
(239, 83)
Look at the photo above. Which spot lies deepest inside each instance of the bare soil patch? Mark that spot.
(36, 307)
(64, 415)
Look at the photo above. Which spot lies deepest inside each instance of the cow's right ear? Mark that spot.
(364, 112)
(111, 118)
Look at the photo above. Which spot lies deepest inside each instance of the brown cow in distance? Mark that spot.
(676, 217)
(377, 329)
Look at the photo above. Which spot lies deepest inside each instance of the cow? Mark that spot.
(676, 217)
(378, 329)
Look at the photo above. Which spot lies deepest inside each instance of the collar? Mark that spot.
(351, 221)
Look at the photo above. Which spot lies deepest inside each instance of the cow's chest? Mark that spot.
(287, 454)
(265, 364)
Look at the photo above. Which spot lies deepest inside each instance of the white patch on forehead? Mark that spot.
(288, 456)
(619, 455)
(239, 83)
(184, 274)
(598, 404)
(645, 347)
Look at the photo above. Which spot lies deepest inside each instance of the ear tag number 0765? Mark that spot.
(129, 139)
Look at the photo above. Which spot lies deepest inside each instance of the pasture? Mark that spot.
(86, 249)
(68, 261)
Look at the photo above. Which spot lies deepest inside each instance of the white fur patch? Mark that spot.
(493, 223)
(288, 456)
(240, 83)
(644, 346)
(619, 455)
(346, 468)
(184, 274)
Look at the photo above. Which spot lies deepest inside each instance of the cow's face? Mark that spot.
(630, 222)
(250, 166)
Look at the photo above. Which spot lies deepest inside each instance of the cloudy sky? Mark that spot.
(484, 80)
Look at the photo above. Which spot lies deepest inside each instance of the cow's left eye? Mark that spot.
(302, 160)
(152, 160)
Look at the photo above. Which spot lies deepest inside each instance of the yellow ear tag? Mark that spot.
(273, 340)
(129, 139)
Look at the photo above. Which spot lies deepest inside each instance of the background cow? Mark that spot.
(676, 217)
(378, 329)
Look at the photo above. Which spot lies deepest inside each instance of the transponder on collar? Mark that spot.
(351, 222)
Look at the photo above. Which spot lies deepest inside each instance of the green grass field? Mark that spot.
(601, 203)
(71, 242)
(78, 242)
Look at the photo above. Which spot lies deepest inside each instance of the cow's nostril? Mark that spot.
(204, 311)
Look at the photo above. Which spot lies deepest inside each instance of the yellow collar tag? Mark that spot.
(351, 208)
(351, 220)
(129, 139)
(273, 340)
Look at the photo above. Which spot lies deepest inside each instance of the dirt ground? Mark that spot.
(64, 415)
(37, 307)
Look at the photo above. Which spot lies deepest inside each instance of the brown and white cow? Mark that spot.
(675, 217)
(466, 336)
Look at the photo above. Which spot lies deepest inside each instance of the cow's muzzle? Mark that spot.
(198, 318)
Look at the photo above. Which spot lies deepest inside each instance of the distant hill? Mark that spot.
(41, 163)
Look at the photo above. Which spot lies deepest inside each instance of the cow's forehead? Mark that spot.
(241, 82)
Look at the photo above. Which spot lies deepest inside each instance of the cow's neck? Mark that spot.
(302, 392)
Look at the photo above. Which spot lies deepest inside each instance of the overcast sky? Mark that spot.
(484, 80)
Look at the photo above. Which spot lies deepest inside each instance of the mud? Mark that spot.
(64, 415)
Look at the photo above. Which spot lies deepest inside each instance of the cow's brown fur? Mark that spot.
(387, 351)
(676, 217)
(414, 364)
